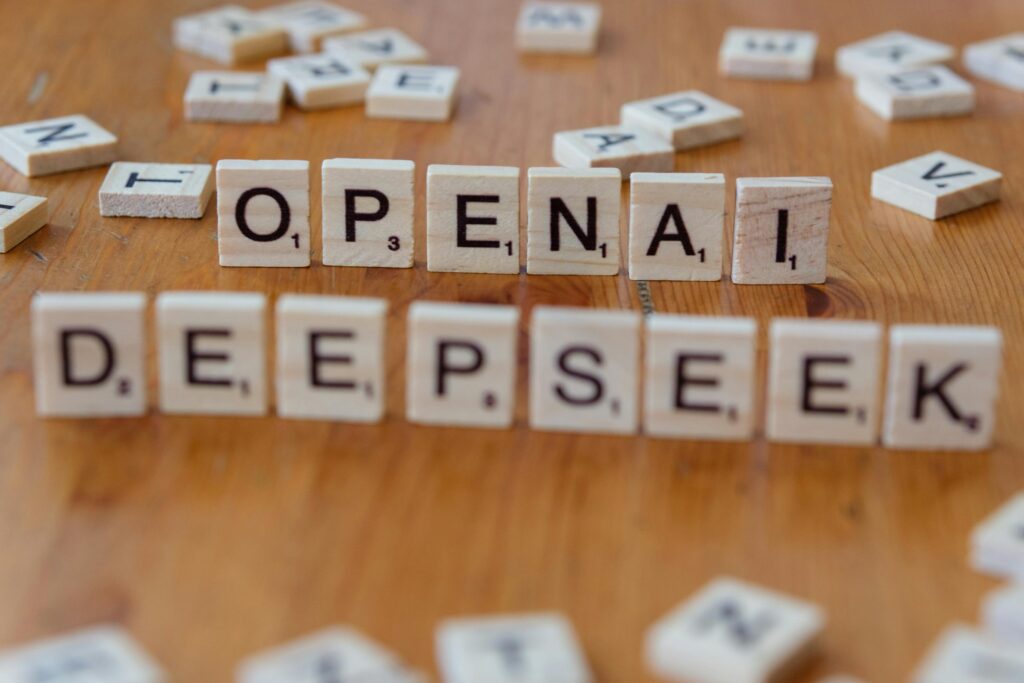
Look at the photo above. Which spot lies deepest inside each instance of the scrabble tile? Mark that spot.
(368, 212)
(626, 149)
(321, 81)
(936, 185)
(67, 143)
(964, 655)
(997, 544)
(473, 219)
(916, 93)
(511, 649)
(840, 679)
(781, 231)
(156, 190)
(211, 353)
(1002, 613)
(768, 54)
(573, 221)
(1000, 60)
(890, 51)
(943, 383)
(687, 119)
(676, 226)
(330, 357)
(699, 377)
(372, 49)
(234, 97)
(461, 364)
(89, 353)
(823, 381)
(103, 653)
(308, 22)
(584, 365)
(21, 215)
(734, 632)
(263, 213)
(230, 35)
(412, 93)
(558, 27)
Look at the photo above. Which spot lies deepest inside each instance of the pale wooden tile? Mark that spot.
(234, 97)
(916, 93)
(964, 655)
(891, 51)
(413, 93)
(997, 544)
(376, 48)
(230, 35)
(687, 119)
(102, 653)
(936, 185)
(558, 27)
(21, 215)
(308, 22)
(1002, 612)
(999, 60)
(841, 678)
(629, 150)
(67, 143)
(321, 81)
(156, 190)
(768, 54)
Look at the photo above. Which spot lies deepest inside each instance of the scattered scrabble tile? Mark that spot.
(211, 353)
(308, 22)
(573, 221)
(473, 219)
(263, 213)
(511, 649)
(89, 354)
(936, 185)
(56, 145)
(687, 119)
(733, 632)
(840, 679)
(614, 147)
(156, 190)
(321, 81)
(21, 215)
(963, 655)
(823, 381)
(781, 232)
(330, 357)
(584, 365)
(1000, 60)
(372, 49)
(768, 54)
(916, 93)
(699, 377)
(412, 93)
(943, 382)
(103, 653)
(1002, 613)
(368, 212)
(997, 544)
(558, 27)
(462, 364)
(234, 97)
(891, 51)
(676, 226)
(230, 34)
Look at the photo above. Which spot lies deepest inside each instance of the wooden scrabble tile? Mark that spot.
(412, 93)
(781, 232)
(1002, 613)
(676, 226)
(372, 49)
(768, 54)
(964, 655)
(21, 215)
(263, 213)
(230, 35)
(1000, 60)
(89, 354)
(558, 27)
(734, 632)
(943, 383)
(511, 649)
(916, 93)
(687, 119)
(67, 143)
(823, 381)
(997, 544)
(234, 97)
(102, 653)
(321, 81)
(573, 221)
(936, 185)
(211, 353)
(308, 22)
(628, 150)
(330, 357)
(368, 212)
(699, 377)
(890, 51)
(461, 364)
(584, 365)
(473, 219)
(156, 190)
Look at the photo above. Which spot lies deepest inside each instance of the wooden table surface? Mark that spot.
(211, 538)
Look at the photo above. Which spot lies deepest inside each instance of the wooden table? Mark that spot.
(210, 538)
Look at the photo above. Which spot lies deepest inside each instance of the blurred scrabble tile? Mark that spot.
(372, 49)
(573, 221)
(263, 213)
(21, 215)
(943, 383)
(1002, 612)
(558, 27)
(156, 190)
(67, 143)
(330, 357)
(916, 93)
(1000, 60)
(308, 22)
(964, 655)
(840, 679)
(473, 219)
(461, 364)
(368, 212)
(687, 119)
(230, 35)
(321, 81)
(936, 185)
(768, 54)
(511, 649)
(676, 226)
(781, 231)
(412, 93)
(614, 147)
(734, 632)
(997, 544)
(890, 51)
(102, 653)
(584, 370)
(234, 97)
(89, 353)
